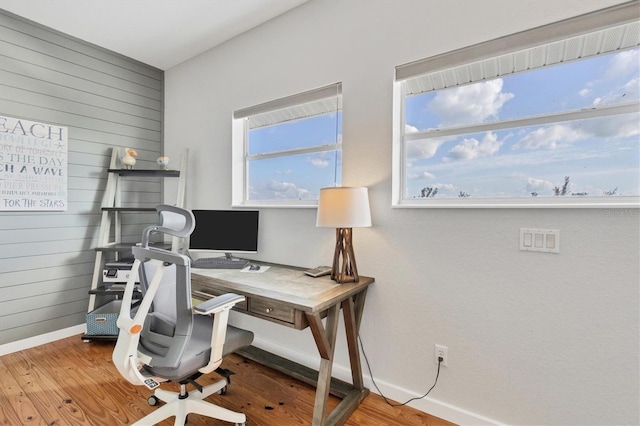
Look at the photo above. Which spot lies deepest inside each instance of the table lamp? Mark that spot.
(344, 208)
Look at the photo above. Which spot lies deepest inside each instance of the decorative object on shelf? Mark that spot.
(129, 159)
(344, 208)
(163, 163)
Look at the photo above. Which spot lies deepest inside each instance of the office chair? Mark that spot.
(163, 339)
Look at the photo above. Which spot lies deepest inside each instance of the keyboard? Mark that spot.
(219, 263)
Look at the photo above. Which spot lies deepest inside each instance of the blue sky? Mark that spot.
(599, 154)
(299, 176)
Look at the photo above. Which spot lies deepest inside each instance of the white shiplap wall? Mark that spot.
(105, 100)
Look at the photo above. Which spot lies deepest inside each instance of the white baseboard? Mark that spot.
(32, 342)
(432, 406)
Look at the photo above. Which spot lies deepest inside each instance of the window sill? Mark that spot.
(510, 203)
(312, 204)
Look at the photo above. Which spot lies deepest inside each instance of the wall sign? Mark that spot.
(33, 165)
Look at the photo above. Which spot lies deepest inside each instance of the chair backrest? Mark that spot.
(173, 221)
(163, 321)
(169, 322)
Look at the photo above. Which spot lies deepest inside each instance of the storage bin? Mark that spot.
(102, 321)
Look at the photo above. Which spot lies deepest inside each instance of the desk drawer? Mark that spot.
(206, 294)
(271, 309)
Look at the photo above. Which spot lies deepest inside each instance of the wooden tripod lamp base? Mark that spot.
(344, 208)
(344, 269)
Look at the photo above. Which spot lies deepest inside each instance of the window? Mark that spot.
(287, 149)
(552, 121)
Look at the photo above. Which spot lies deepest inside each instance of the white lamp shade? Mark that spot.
(344, 207)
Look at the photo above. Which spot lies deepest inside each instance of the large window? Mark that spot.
(286, 150)
(546, 122)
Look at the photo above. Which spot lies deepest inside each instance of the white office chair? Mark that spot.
(164, 339)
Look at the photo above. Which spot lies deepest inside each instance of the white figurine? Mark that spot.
(129, 160)
(163, 163)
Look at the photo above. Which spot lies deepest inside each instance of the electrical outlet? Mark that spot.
(441, 352)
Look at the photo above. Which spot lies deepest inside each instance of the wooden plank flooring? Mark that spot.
(70, 382)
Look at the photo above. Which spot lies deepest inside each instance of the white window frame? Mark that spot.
(547, 34)
(327, 98)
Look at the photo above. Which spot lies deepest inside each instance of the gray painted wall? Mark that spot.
(105, 100)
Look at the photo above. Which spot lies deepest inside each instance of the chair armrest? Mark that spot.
(218, 303)
(220, 306)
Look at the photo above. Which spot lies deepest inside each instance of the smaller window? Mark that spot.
(286, 150)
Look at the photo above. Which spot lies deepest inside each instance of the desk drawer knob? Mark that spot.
(268, 310)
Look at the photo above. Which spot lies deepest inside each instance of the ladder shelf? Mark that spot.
(111, 246)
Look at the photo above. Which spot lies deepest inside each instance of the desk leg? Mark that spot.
(326, 342)
(352, 310)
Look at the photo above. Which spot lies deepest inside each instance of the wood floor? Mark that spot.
(70, 382)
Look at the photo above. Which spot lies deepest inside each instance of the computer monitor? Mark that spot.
(225, 231)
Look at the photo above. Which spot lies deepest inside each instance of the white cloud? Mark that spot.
(447, 188)
(632, 88)
(627, 92)
(561, 135)
(617, 126)
(424, 148)
(284, 190)
(473, 103)
(422, 175)
(539, 186)
(550, 137)
(623, 63)
(633, 84)
(322, 159)
(619, 82)
(408, 128)
(584, 92)
(471, 148)
(319, 162)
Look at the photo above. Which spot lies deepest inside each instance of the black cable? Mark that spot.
(391, 403)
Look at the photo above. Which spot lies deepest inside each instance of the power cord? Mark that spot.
(391, 403)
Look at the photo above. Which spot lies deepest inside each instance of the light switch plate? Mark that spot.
(542, 240)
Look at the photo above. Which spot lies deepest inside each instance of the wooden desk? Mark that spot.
(284, 295)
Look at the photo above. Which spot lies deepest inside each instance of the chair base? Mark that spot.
(180, 407)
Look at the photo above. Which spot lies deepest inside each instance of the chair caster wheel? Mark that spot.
(223, 391)
(152, 400)
(241, 424)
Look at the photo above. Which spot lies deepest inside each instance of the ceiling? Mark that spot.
(161, 33)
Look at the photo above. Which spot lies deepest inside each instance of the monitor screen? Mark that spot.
(225, 231)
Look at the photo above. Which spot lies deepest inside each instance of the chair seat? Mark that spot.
(198, 350)
(235, 339)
